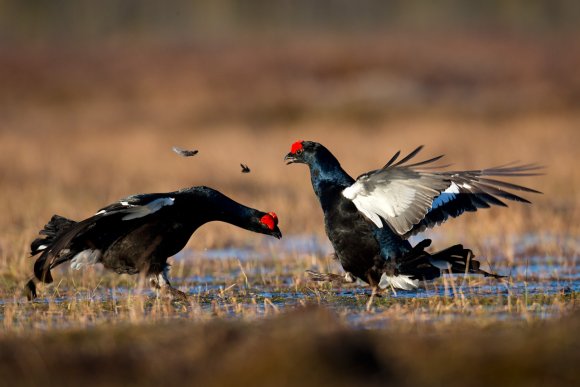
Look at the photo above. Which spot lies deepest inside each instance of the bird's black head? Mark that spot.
(269, 225)
(324, 167)
(303, 152)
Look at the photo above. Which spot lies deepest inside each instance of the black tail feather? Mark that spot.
(56, 227)
(41, 271)
(460, 261)
(51, 231)
(426, 266)
(416, 263)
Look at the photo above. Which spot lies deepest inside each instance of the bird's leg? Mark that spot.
(161, 282)
(375, 292)
(348, 278)
(154, 283)
(372, 298)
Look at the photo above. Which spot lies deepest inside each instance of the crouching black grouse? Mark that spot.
(406, 198)
(137, 234)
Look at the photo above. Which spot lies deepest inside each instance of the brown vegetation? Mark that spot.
(307, 348)
(84, 127)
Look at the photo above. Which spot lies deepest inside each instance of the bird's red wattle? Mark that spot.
(296, 147)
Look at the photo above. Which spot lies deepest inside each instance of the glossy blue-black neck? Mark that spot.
(326, 172)
(218, 207)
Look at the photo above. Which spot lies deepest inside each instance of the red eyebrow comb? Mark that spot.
(296, 146)
(274, 216)
(269, 220)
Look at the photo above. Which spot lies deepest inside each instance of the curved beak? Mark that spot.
(289, 158)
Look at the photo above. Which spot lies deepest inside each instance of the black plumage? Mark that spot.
(368, 220)
(139, 233)
(245, 168)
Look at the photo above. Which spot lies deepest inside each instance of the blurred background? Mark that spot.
(93, 95)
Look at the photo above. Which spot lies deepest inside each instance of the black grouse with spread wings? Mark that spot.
(368, 220)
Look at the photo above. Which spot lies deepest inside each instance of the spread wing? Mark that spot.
(412, 197)
(472, 190)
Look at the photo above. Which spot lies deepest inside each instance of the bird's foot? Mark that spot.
(174, 294)
(348, 278)
(161, 284)
(171, 293)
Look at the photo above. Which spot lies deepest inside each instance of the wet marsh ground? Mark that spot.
(268, 280)
(80, 130)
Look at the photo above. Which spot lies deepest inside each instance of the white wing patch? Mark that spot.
(398, 282)
(399, 203)
(134, 212)
(85, 258)
(356, 193)
(386, 201)
(124, 203)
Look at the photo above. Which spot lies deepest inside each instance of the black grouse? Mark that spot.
(137, 234)
(407, 198)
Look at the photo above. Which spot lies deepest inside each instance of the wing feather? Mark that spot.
(398, 195)
(477, 190)
(412, 197)
(409, 156)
